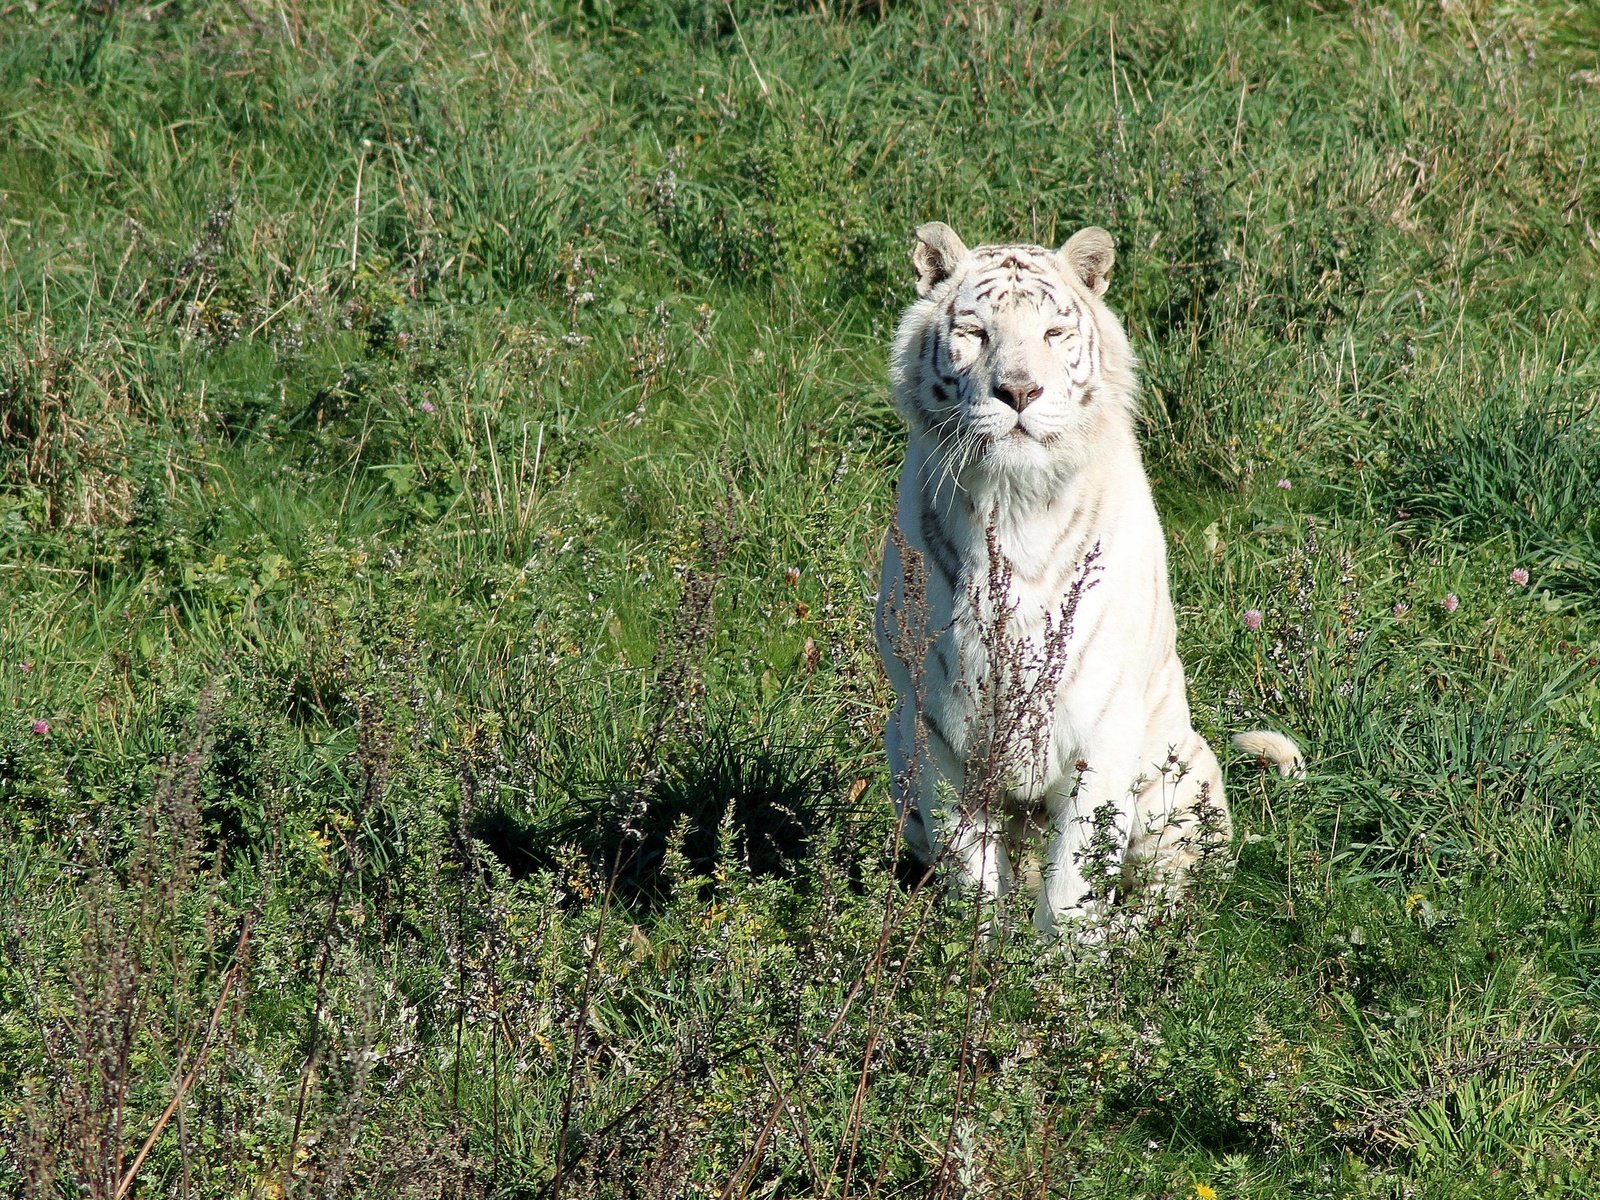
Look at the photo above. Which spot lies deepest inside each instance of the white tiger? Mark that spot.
(1023, 475)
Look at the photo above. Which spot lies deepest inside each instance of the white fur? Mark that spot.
(1278, 750)
(1055, 482)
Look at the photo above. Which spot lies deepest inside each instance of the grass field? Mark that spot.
(444, 456)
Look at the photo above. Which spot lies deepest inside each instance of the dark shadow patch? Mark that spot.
(910, 871)
(727, 797)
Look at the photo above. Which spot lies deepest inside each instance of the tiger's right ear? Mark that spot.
(1090, 253)
(936, 255)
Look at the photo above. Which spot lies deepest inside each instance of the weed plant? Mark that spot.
(444, 460)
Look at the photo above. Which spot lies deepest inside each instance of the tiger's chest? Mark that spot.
(1020, 629)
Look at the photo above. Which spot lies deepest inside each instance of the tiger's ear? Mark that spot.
(1090, 253)
(936, 255)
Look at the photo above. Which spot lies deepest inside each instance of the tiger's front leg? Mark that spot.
(936, 827)
(1091, 819)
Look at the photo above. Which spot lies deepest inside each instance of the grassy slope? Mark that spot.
(409, 416)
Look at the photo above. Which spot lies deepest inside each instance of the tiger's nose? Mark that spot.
(1017, 395)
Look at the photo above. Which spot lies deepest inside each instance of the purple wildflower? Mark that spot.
(41, 726)
(1519, 576)
(1451, 602)
(1252, 619)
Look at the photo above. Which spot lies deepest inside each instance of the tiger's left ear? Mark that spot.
(1090, 253)
(936, 255)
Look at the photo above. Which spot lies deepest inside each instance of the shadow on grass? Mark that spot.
(725, 796)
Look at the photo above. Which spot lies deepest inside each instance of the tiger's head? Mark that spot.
(1010, 359)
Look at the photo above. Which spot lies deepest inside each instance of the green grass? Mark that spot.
(444, 455)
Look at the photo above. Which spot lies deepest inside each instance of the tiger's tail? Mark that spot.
(1275, 748)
